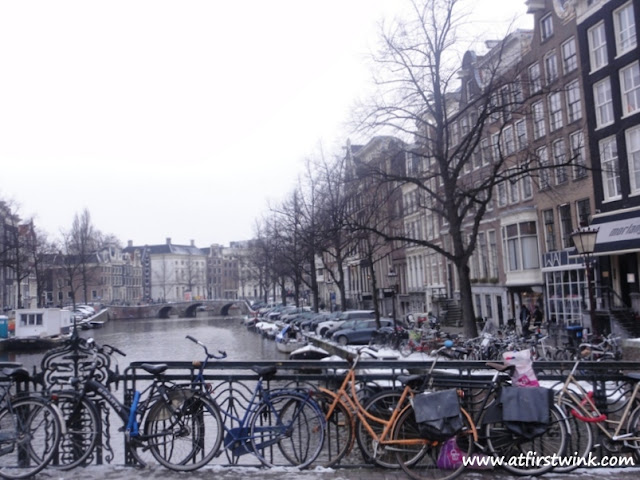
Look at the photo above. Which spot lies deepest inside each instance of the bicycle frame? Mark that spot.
(586, 410)
(349, 385)
(237, 438)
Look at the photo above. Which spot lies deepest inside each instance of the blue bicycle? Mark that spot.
(281, 427)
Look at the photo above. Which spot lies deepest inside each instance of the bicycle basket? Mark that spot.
(438, 414)
(525, 410)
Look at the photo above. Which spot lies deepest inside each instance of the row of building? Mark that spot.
(583, 56)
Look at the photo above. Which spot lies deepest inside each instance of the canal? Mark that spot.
(161, 339)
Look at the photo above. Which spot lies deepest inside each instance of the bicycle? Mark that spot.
(281, 427)
(378, 429)
(30, 428)
(176, 425)
(582, 406)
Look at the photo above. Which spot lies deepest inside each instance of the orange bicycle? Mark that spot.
(385, 427)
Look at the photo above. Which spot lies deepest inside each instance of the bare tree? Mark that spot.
(419, 99)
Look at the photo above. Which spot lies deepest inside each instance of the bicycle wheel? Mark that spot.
(83, 429)
(29, 434)
(186, 433)
(579, 437)
(405, 348)
(515, 450)
(425, 459)
(380, 406)
(339, 431)
(287, 430)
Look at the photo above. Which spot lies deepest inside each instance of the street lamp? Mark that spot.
(585, 241)
(393, 281)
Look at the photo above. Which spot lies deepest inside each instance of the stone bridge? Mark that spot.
(222, 308)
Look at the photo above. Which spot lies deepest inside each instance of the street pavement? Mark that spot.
(234, 473)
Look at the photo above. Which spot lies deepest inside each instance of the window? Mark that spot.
(564, 213)
(603, 103)
(478, 301)
(493, 254)
(546, 27)
(574, 103)
(555, 111)
(633, 153)
(521, 134)
(489, 311)
(630, 88)
(485, 151)
(514, 191)
(543, 164)
(534, 77)
(625, 28)
(610, 170)
(583, 210)
(483, 255)
(559, 161)
(502, 194)
(507, 103)
(527, 190)
(521, 246)
(495, 146)
(578, 155)
(549, 230)
(551, 67)
(538, 120)
(507, 136)
(597, 47)
(569, 56)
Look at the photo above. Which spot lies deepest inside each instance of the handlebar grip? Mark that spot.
(117, 350)
(223, 353)
(191, 338)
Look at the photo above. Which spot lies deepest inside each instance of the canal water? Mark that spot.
(162, 339)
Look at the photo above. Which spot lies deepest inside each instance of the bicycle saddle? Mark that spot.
(266, 371)
(154, 368)
(18, 374)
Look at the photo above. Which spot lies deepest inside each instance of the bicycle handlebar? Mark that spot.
(221, 353)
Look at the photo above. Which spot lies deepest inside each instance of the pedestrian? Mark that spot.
(525, 320)
(537, 317)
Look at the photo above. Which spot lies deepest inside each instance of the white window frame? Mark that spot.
(610, 169)
(625, 28)
(632, 138)
(598, 56)
(578, 154)
(555, 111)
(521, 247)
(521, 133)
(508, 141)
(546, 28)
(551, 67)
(574, 101)
(539, 128)
(630, 88)
(569, 56)
(544, 174)
(535, 78)
(559, 159)
(603, 102)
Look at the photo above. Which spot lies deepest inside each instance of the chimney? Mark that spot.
(168, 240)
(193, 243)
(129, 243)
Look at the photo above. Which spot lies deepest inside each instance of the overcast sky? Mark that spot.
(179, 119)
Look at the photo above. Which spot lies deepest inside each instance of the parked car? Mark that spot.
(311, 324)
(361, 332)
(323, 327)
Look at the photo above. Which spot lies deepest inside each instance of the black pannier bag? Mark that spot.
(438, 414)
(525, 410)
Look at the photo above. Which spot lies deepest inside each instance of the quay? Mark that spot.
(115, 472)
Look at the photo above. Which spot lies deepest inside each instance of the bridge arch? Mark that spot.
(192, 310)
(166, 311)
